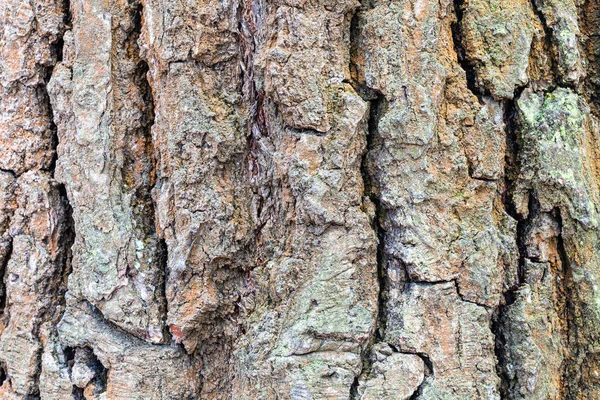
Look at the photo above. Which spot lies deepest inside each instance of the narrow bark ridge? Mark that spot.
(101, 106)
(36, 229)
(437, 188)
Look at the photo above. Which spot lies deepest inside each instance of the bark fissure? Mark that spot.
(548, 41)
(461, 55)
(376, 108)
(3, 269)
(429, 374)
(571, 375)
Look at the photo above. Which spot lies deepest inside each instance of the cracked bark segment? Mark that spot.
(308, 341)
(34, 277)
(28, 35)
(535, 354)
(131, 373)
(560, 16)
(316, 291)
(432, 319)
(557, 154)
(497, 37)
(55, 380)
(203, 201)
(105, 160)
(305, 42)
(393, 376)
(534, 328)
(440, 223)
(558, 170)
(8, 186)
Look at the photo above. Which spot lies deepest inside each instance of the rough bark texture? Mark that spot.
(300, 199)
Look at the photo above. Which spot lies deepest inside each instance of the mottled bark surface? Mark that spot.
(300, 199)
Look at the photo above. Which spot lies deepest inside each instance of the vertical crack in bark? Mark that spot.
(69, 229)
(548, 43)
(256, 125)
(376, 109)
(162, 261)
(510, 296)
(512, 168)
(511, 173)
(68, 240)
(3, 268)
(58, 49)
(2, 374)
(571, 371)
(377, 105)
(461, 55)
(144, 205)
(564, 301)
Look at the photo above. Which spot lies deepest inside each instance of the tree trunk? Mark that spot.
(300, 199)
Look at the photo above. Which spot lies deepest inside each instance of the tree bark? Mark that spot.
(300, 199)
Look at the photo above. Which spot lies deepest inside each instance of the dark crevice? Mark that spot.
(139, 163)
(3, 375)
(512, 164)
(512, 168)
(428, 372)
(3, 268)
(354, 395)
(461, 54)
(69, 356)
(499, 349)
(463, 298)
(162, 260)
(140, 167)
(65, 228)
(510, 296)
(66, 233)
(65, 262)
(9, 171)
(67, 22)
(256, 127)
(377, 107)
(376, 110)
(58, 49)
(78, 393)
(480, 178)
(523, 226)
(85, 357)
(571, 373)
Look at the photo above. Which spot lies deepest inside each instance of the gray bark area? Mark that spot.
(299, 199)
